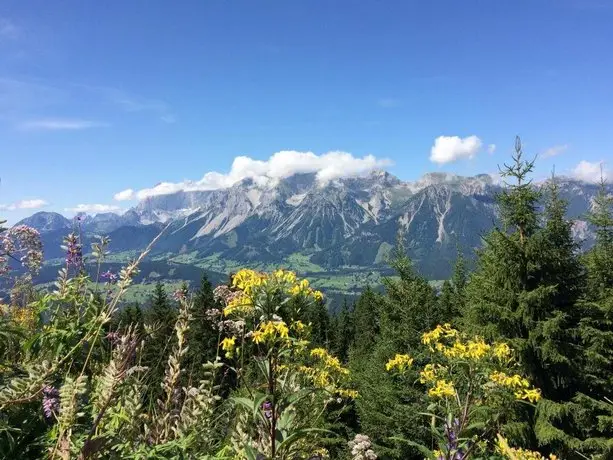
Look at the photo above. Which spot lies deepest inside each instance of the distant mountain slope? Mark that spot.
(344, 223)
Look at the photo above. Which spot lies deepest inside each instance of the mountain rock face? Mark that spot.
(345, 223)
(46, 221)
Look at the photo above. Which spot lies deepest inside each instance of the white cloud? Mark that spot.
(447, 149)
(59, 124)
(124, 195)
(327, 167)
(491, 148)
(591, 172)
(93, 208)
(24, 204)
(554, 151)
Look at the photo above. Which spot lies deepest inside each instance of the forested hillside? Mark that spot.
(511, 358)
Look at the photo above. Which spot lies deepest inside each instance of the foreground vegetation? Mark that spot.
(514, 360)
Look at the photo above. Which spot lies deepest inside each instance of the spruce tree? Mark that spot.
(594, 411)
(458, 282)
(344, 331)
(366, 318)
(160, 319)
(524, 291)
(203, 334)
(390, 410)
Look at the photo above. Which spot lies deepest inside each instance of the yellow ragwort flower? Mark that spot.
(298, 326)
(400, 362)
(257, 337)
(502, 446)
(228, 345)
(318, 296)
(442, 389)
(439, 331)
(351, 394)
(502, 351)
(248, 280)
(531, 394)
(241, 304)
(429, 373)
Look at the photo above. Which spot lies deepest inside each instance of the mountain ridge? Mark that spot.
(345, 222)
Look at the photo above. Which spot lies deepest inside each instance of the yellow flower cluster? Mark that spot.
(442, 389)
(248, 280)
(502, 351)
(327, 372)
(474, 349)
(228, 344)
(329, 361)
(241, 305)
(430, 373)
(285, 276)
(502, 446)
(350, 394)
(518, 384)
(298, 326)
(270, 331)
(444, 331)
(303, 288)
(400, 362)
(23, 316)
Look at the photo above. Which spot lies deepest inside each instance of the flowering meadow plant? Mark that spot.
(472, 385)
(286, 390)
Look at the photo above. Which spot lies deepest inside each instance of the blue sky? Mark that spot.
(100, 97)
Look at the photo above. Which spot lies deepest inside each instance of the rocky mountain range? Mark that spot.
(345, 224)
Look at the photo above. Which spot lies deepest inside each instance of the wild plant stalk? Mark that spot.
(31, 387)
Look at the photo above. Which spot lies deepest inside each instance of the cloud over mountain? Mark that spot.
(93, 208)
(591, 172)
(327, 167)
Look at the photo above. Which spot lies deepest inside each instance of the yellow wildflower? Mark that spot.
(241, 304)
(282, 329)
(298, 326)
(429, 373)
(513, 382)
(228, 345)
(435, 335)
(442, 389)
(319, 352)
(257, 336)
(531, 394)
(351, 394)
(502, 446)
(400, 362)
(290, 277)
(477, 348)
(318, 296)
(502, 351)
(248, 280)
(24, 316)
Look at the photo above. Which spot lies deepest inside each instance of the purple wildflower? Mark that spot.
(267, 408)
(451, 434)
(179, 295)
(113, 337)
(51, 401)
(74, 251)
(109, 276)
